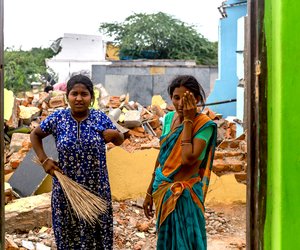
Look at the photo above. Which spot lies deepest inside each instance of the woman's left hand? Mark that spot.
(114, 136)
(189, 106)
(148, 206)
(109, 134)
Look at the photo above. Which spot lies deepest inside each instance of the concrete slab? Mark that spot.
(130, 173)
(226, 190)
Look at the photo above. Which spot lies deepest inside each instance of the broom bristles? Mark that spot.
(86, 205)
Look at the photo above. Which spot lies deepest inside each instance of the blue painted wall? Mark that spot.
(226, 86)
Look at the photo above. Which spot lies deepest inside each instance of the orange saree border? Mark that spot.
(173, 162)
(176, 188)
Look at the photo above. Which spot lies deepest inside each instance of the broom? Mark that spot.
(86, 205)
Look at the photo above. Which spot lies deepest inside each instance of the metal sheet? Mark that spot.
(28, 177)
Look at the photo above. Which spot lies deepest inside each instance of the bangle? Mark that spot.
(186, 141)
(148, 194)
(45, 161)
(188, 120)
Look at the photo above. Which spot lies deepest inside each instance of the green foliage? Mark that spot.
(160, 36)
(23, 67)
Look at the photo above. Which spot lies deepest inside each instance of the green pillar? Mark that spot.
(282, 27)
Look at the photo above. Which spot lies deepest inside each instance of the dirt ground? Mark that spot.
(132, 230)
(236, 239)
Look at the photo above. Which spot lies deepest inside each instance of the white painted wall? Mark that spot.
(240, 47)
(240, 73)
(78, 52)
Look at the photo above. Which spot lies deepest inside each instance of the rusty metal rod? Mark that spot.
(217, 103)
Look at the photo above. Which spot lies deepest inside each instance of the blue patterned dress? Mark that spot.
(82, 157)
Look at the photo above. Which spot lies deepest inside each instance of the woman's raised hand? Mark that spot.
(189, 106)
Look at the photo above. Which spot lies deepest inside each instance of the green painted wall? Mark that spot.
(282, 27)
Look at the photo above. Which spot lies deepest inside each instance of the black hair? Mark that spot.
(48, 88)
(190, 83)
(83, 80)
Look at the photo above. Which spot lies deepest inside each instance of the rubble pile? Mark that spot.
(231, 157)
(132, 230)
(142, 127)
(217, 223)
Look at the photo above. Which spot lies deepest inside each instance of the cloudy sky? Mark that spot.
(37, 23)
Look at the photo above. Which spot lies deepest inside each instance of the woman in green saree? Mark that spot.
(182, 170)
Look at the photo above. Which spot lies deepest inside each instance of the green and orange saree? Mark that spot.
(179, 205)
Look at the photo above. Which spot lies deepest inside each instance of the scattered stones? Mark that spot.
(216, 223)
(132, 230)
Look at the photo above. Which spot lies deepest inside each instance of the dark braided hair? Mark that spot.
(191, 84)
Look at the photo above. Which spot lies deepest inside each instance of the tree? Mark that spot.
(23, 67)
(160, 36)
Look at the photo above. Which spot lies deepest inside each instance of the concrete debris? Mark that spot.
(132, 119)
(24, 214)
(231, 157)
(225, 190)
(132, 230)
(142, 127)
(17, 141)
(8, 193)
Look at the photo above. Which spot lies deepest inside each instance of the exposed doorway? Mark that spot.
(256, 105)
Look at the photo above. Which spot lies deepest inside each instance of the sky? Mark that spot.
(37, 23)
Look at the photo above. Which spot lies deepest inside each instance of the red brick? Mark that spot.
(57, 101)
(241, 177)
(220, 166)
(10, 244)
(158, 132)
(242, 137)
(234, 144)
(15, 159)
(157, 110)
(7, 169)
(228, 133)
(224, 144)
(139, 129)
(135, 133)
(126, 142)
(236, 166)
(243, 146)
(155, 123)
(219, 155)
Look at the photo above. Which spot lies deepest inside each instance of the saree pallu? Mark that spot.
(179, 205)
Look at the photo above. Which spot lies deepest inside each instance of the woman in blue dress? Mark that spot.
(80, 134)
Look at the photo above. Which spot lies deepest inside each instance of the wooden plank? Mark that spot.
(256, 78)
